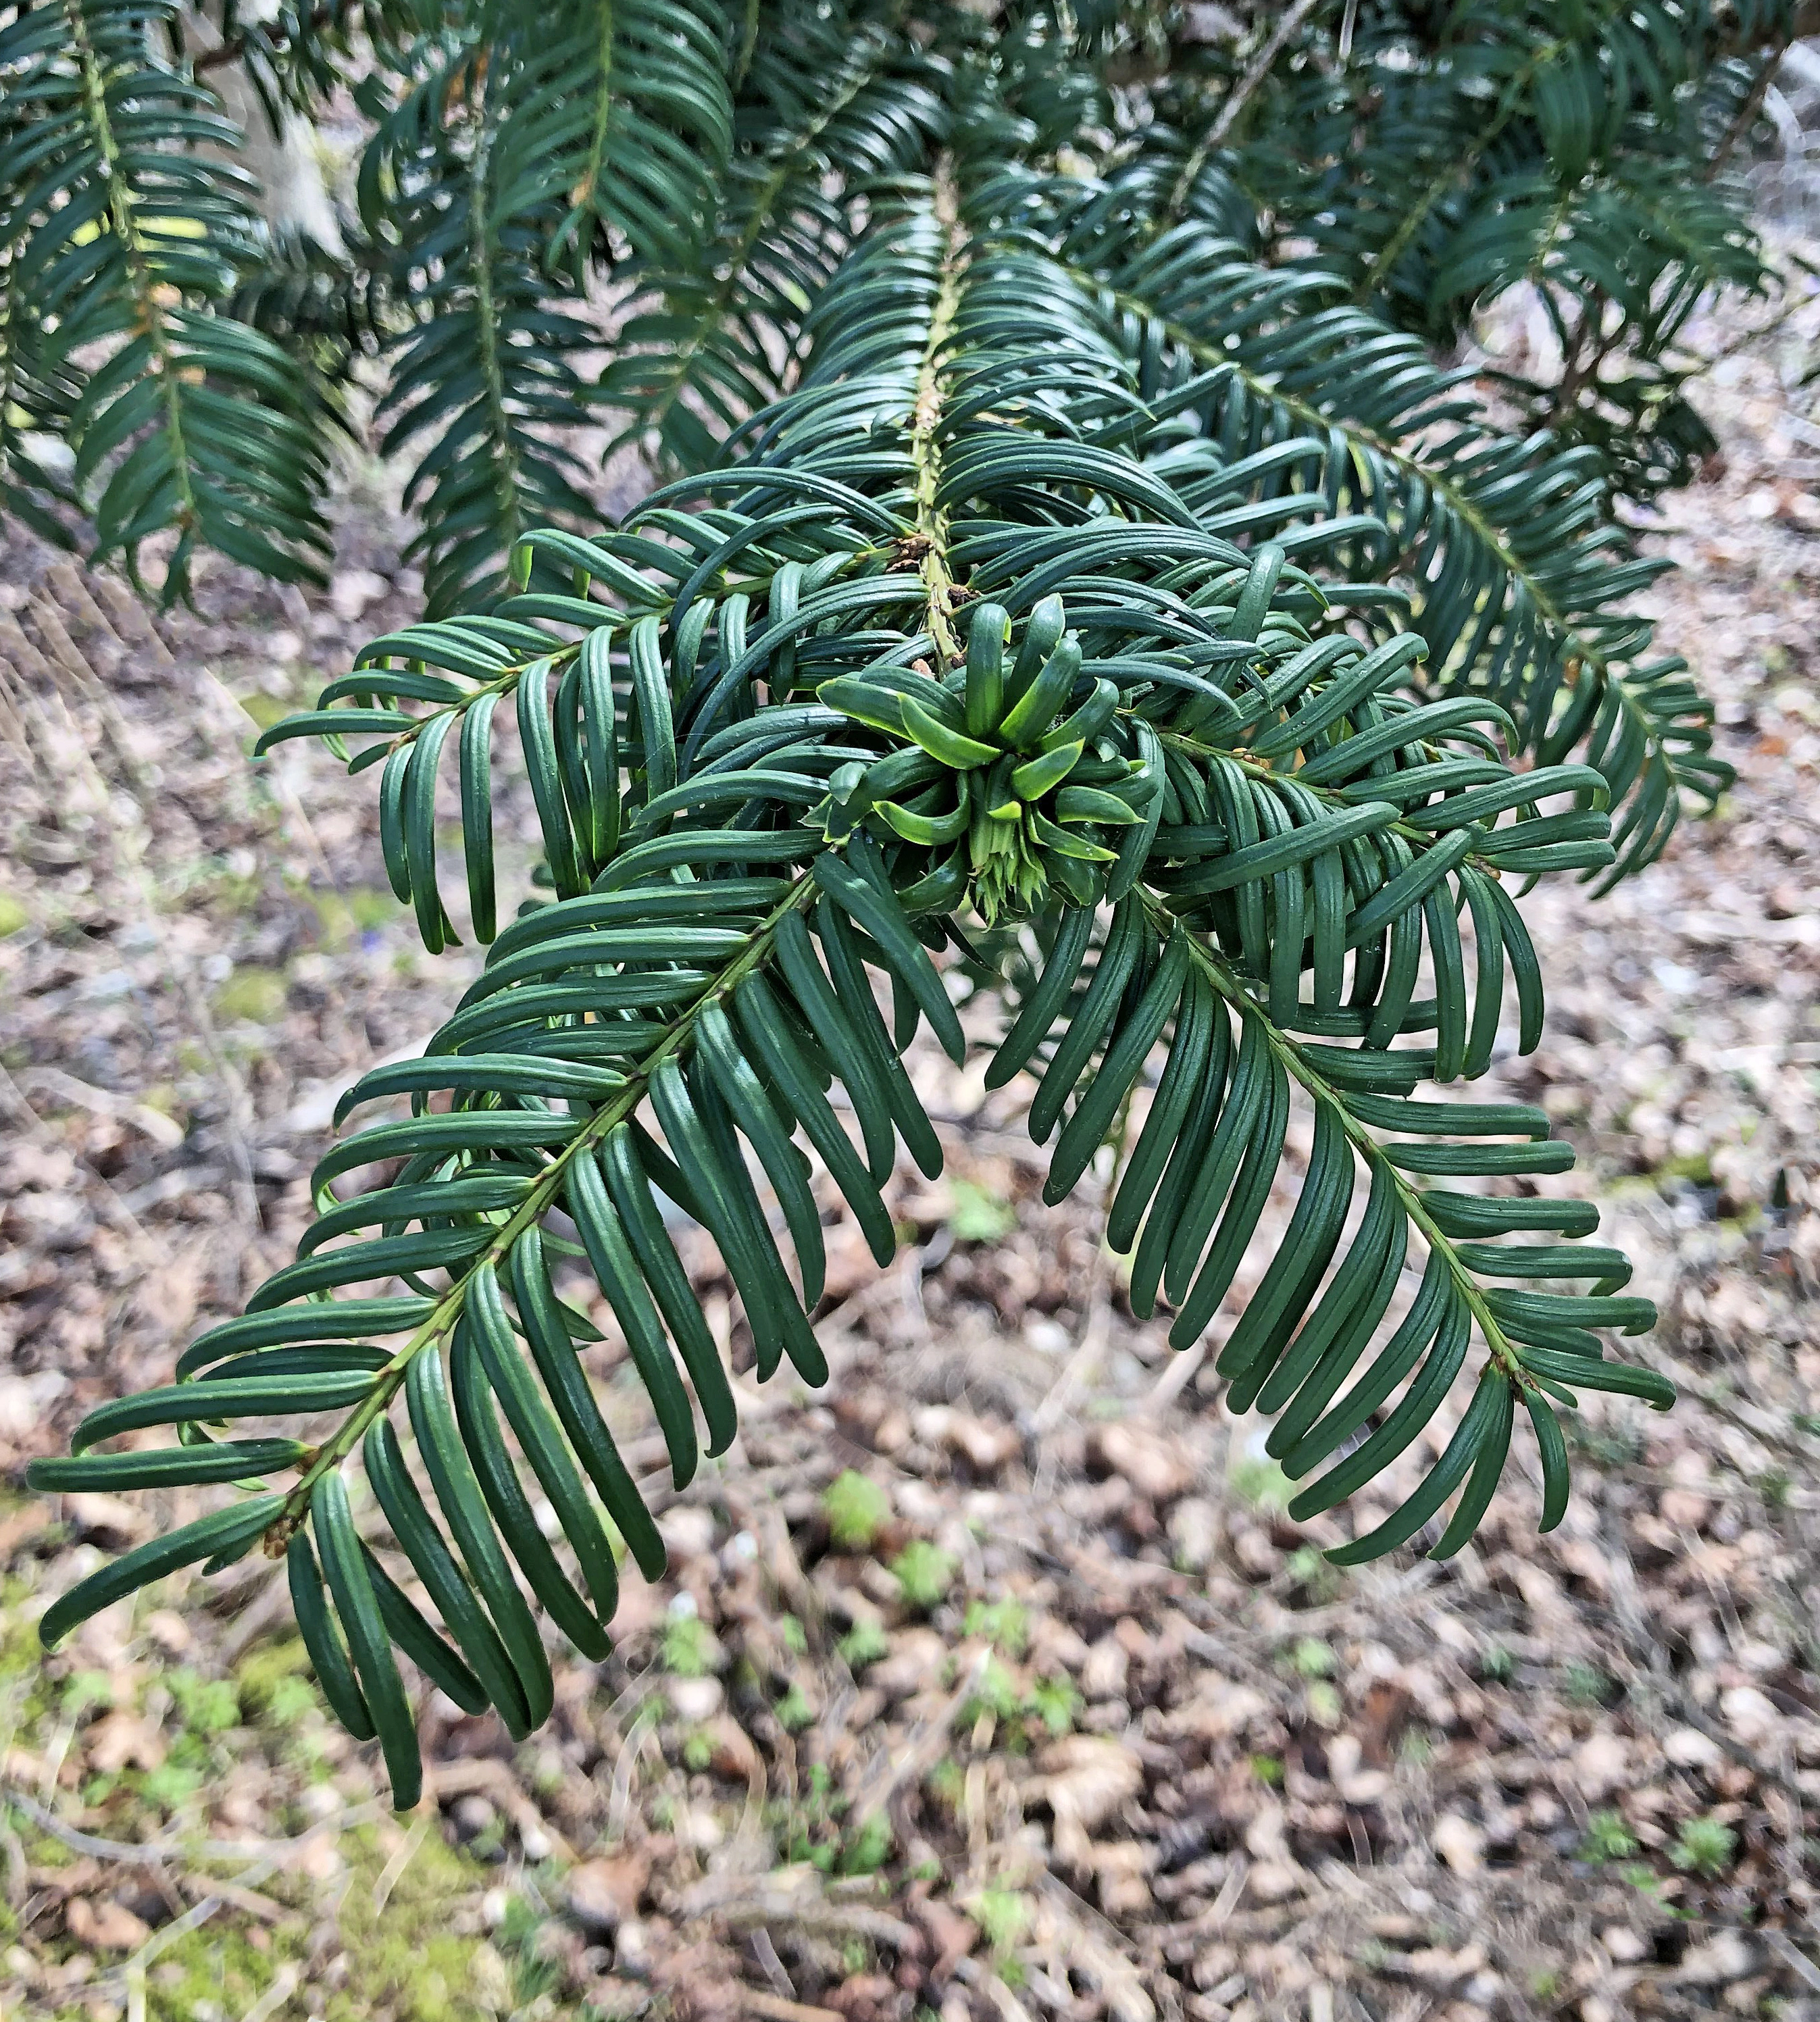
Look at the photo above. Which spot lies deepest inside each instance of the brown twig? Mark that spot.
(234, 48)
(1745, 116)
(1287, 24)
(774, 2007)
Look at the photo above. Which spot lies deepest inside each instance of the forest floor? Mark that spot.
(992, 1681)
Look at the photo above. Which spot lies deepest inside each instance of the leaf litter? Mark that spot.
(992, 1681)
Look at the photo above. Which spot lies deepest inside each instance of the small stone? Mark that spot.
(1601, 1765)
(1437, 1967)
(1086, 1778)
(916, 1660)
(1121, 1872)
(471, 1816)
(1273, 1881)
(1625, 1945)
(1355, 1785)
(1685, 1509)
(1103, 1675)
(353, 589)
(1150, 1461)
(1459, 1843)
(1723, 1961)
(1255, 1553)
(1194, 1533)
(1212, 1966)
(20, 1407)
(1266, 1837)
(985, 1447)
(688, 1532)
(632, 1950)
(1687, 1748)
(1219, 1708)
(695, 1700)
(1749, 1714)
(893, 1432)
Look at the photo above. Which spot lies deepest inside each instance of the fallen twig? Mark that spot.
(778, 2009)
(155, 1852)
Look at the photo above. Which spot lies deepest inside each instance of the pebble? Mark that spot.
(1194, 1526)
(1153, 1462)
(1749, 1714)
(632, 1950)
(471, 1815)
(695, 1699)
(1459, 1842)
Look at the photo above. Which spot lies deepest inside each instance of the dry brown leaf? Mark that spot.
(106, 1925)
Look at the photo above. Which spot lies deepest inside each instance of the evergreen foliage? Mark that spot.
(1073, 570)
